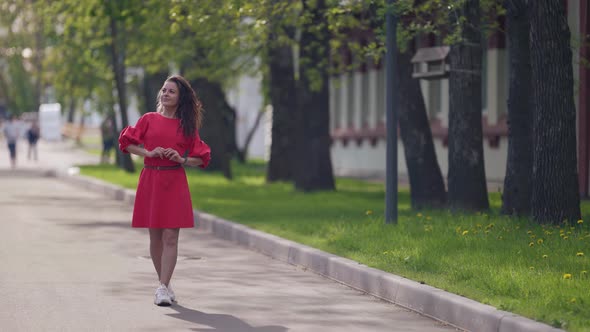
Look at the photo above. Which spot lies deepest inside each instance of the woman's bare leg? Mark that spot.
(156, 247)
(169, 254)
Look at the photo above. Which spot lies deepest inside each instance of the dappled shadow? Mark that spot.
(219, 322)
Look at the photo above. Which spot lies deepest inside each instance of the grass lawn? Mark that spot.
(540, 272)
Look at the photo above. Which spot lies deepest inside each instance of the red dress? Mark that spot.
(163, 199)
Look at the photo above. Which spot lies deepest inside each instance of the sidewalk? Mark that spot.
(72, 263)
(58, 155)
(428, 301)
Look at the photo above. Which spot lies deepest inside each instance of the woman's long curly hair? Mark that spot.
(190, 110)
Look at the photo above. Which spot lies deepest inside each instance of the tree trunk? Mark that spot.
(71, 110)
(516, 198)
(282, 97)
(314, 165)
(219, 128)
(555, 192)
(467, 179)
(427, 188)
(242, 153)
(38, 61)
(151, 85)
(118, 60)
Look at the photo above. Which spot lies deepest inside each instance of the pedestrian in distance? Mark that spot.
(12, 133)
(107, 131)
(169, 140)
(33, 134)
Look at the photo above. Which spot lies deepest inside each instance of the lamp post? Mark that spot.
(391, 118)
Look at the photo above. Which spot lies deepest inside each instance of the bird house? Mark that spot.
(430, 63)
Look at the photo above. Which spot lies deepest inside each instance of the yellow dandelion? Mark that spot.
(531, 244)
(567, 276)
(531, 268)
(428, 218)
(580, 221)
(487, 232)
(419, 215)
(465, 233)
(573, 300)
(533, 236)
(529, 232)
(369, 212)
(584, 273)
(580, 254)
(545, 256)
(566, 237)
(540, 241)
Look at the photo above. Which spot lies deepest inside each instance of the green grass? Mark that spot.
(541, 272)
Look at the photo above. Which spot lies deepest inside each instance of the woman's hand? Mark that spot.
(173, 155)
(155, 153)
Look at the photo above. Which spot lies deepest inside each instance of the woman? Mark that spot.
(168, 140)
(12, 133)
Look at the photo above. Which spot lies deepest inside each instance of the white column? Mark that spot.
(496, 84)
(372, 103)
(344, 101)
(357, 83)
(444, 102)
(382, 95)
(333, 102)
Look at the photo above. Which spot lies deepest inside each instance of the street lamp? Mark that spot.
(391, 118)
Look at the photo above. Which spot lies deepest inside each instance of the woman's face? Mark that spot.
(169, 95)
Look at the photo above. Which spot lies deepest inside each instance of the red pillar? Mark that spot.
(583, 111)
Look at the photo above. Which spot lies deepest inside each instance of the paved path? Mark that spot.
(56, 155)
(70, 262)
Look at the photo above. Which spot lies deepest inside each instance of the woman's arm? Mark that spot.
(185, 161)
(140, 151)
(192, 162)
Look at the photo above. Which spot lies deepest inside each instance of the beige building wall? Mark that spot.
(363, 158)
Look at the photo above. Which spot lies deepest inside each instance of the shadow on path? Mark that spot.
(219, 322)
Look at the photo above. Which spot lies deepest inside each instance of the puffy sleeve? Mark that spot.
(133, 134)
(201, 150)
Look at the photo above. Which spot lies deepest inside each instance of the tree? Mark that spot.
(516, 197)
(117, 17)
(281, 89)
(314, 165)
(220, 124)
(555, 194)
(427, 188)
(21, 49)
(466, 178)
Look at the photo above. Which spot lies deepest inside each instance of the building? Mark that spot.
(357, 111)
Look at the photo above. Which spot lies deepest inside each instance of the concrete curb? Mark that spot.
(449, 308)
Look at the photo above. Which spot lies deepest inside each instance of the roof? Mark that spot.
(431, 54)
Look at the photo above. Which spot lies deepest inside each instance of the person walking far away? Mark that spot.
(11, 133)
(168, 140)
(33, 134)
(107, 131)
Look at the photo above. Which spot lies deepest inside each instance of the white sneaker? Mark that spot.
(162, 298)
(171, 293)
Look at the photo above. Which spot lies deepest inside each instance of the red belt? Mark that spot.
(162, 168)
